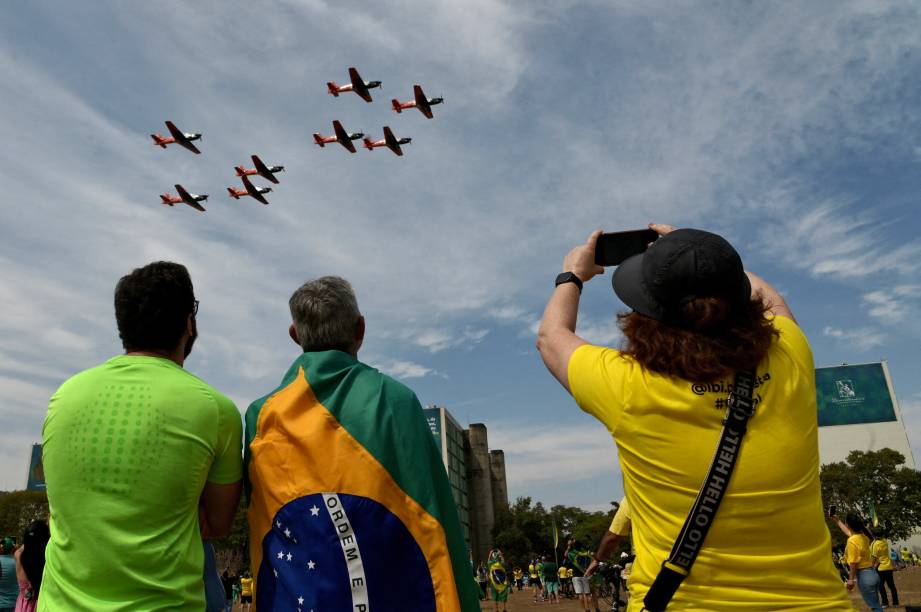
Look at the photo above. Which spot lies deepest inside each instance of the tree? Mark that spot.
(18, 509)
(875, 481)
(524, 530)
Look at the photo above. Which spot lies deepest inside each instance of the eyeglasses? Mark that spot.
(195, 307)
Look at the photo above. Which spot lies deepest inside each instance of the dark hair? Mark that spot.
(152, 305)
(708, 339)
(33, 553)
(857, 525)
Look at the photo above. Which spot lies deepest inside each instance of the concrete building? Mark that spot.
(477, 476)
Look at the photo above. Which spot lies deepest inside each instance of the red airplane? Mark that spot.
(184, 197)
(421, 102)
(342, 137)
(180, 138)
(357, 85)
(390, 141)
(266, 172)
(251, 190)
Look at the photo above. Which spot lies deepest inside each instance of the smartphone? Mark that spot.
(833, 511)
(612, 249)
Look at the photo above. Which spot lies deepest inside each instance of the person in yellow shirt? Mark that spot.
(246, 591)
(879, 550)
(859, 560)
(519, 578)
(697, 319)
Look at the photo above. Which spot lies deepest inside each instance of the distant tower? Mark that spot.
(479, 478)
(497, 477)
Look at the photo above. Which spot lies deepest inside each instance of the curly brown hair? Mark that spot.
(708, 340)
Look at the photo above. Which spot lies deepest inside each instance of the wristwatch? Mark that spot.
(569, 277)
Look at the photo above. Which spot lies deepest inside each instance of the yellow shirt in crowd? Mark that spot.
(562, 572)
(621, 523)
(666, 430)
(880, 550)
(857, 550)
(246, 586)
(532, 571)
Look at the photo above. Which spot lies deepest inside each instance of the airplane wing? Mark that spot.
(188, 145)
(187, 198)
(250, 188)
(342, 137)
(185, 195)
(263, 170)
(176, 133)
(422, 103)
(259, 197)
(392, 143)
(181, 139)
(358, 85)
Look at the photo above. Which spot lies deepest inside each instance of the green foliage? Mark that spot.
(18, 509)
(876, 479)
(523, 531)
(233, 551)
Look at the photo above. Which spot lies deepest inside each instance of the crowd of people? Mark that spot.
(145, 463)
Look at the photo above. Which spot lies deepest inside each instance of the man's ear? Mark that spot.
(359, 333)
(292, 331)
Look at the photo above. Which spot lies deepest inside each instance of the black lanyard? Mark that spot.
(691, 538)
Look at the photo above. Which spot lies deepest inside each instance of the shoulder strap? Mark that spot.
(678, 565)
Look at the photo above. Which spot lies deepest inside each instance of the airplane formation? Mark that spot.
(340, 135)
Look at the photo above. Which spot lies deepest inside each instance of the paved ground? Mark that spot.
(908, 583)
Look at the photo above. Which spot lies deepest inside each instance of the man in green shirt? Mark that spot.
(142, 459)
(551, 580)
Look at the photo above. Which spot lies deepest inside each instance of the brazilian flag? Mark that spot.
(498, 578)
(350, 507)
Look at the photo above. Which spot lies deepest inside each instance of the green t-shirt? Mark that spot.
(127, 449)
(549, 571)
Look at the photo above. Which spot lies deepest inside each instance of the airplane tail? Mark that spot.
(158, 140)
(233, 193)
(319, 140)
(333, 89)
(240, 170)
(165, 200)
(369, 145)
(397, 107)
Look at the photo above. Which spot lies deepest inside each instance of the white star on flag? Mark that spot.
(278, 524)
(281, 554)
(314, 511)
(287, 532)
(275, 571)
(311, 564)
(289, 556)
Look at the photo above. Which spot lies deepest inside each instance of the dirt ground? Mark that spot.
(907, 581)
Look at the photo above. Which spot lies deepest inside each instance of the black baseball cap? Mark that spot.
(679, 267)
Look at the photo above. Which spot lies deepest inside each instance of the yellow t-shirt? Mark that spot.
(666, 430)
(517, 574)
(562, 572)
(569, 573)
(246, 586)
(532, 571)
(880, 549)
(857, 550)
(621, 523)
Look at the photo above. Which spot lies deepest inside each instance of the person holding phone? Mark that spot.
(696, 319)
(857, 554)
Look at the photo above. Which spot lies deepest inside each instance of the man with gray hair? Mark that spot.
(349, 502)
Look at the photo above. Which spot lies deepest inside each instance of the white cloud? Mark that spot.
(541, 454)
(861, 338)
(404, 369)
(892, 305)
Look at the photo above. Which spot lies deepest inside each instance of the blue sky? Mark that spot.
(794, 129)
